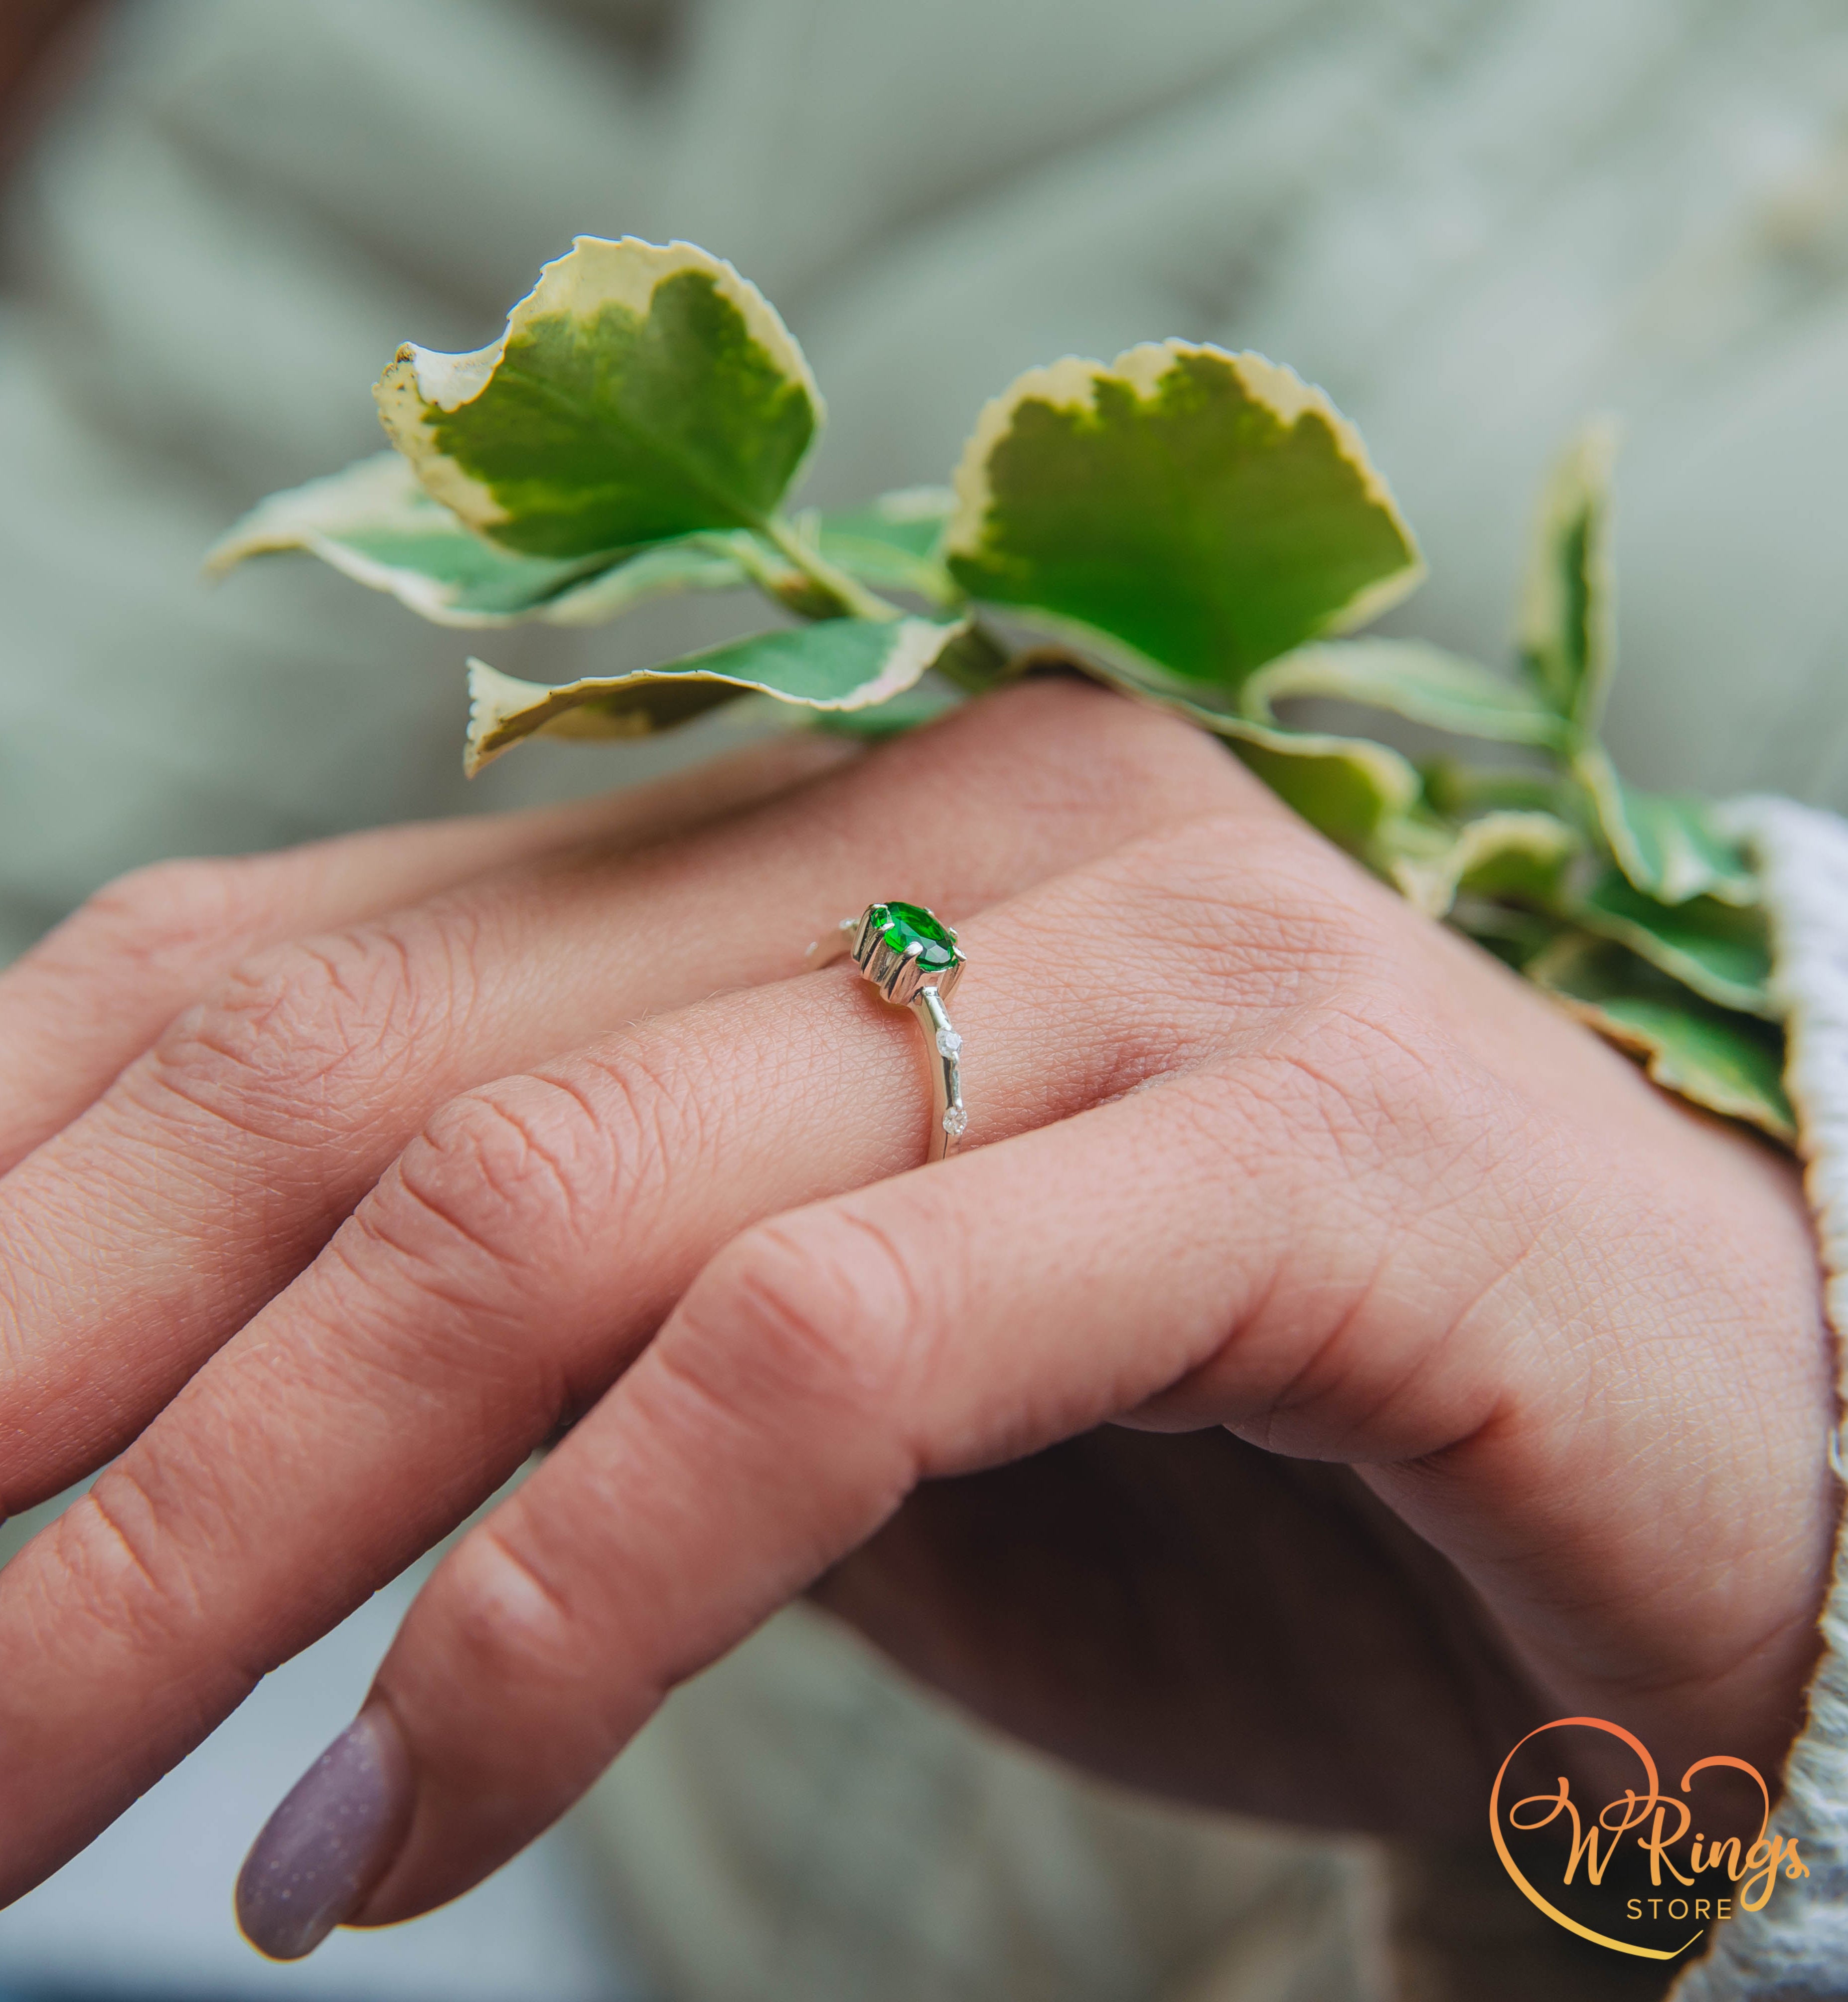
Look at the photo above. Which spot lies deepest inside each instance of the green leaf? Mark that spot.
(927, 702)
(1519, 855)
(841, 664)
(639, 392)
(893, 543)
(1423, 684)
(1667, 844)
(375, 523)
(1208, 510)
(664, 569)
(1348, 788)
(1515, 936)
(1457, 790)
(1718, 949)
(1344, 787)
(1729, 1063)
(1567, 623)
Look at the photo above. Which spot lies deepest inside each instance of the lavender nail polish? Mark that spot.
(329, 1843)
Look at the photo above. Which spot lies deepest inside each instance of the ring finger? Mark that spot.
(519, 1255)
(148, 1231)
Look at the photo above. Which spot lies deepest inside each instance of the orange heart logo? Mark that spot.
(1706, 1883)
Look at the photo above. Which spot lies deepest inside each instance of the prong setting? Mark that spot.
(900, 964)
(914, 961)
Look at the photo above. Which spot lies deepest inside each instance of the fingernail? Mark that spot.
(323, 1850)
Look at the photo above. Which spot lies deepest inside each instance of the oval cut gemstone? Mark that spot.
(902, 925)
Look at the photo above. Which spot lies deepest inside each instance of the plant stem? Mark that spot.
(854, 598)
(977, 662)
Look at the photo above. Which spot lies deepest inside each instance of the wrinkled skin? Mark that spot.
(339, 1180)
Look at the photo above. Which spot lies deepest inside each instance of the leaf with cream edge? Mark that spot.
(639, 391)
(1670, 846)
(1568, 639)
(1522, 857)
(1406, 677)
(1731, 1063)
(838, 665)
(375, 523)
(1348, 788)
(1718, 949)
(1210, 510)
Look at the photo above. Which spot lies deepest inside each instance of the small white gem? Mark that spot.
(948, 1042)
(956, 1122)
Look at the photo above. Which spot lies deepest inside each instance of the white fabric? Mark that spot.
(1796, 1946)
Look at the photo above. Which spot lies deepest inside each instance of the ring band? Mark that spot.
(915, 962)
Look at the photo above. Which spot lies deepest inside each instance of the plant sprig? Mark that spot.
(1195, 527)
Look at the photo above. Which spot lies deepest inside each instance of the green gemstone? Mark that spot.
(902, 925)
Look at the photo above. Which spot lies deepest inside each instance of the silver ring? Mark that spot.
(914, 961)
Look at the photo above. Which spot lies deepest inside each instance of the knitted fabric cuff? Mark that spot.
(1796, 1948)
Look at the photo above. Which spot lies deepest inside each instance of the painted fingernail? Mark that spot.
(323, 1850)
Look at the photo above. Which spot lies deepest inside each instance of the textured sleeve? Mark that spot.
(1796, 1948)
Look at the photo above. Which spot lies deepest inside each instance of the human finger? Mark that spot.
(1204, 1252)
(524, 1247)
(509, 1268)
(818, 1372)
(93, 994)
(147, 1232)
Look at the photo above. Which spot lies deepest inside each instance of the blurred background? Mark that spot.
(1473, 222)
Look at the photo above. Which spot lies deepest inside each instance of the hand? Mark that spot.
(535, 1121)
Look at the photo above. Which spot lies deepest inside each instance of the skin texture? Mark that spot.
(1501, 1378)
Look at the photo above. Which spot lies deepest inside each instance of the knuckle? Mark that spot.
(1075, 749)
(504, 1622)
(1245, 918)
(1372, 1092)
(1076, 766)
(117, 1551)
(290, 1043)
(1295, 972)
(517, 1171)
(154, 915)
(822, 1307)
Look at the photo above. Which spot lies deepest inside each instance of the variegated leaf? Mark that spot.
(1348, 787)
(1209, 510)
(375, 523)
(1406, 677)
(929, 702)
(839, 664)
(1568, 627)
(1729, 1063)
(1718, 949)
(1669, 844)
(639, 391)
(1520, 856)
